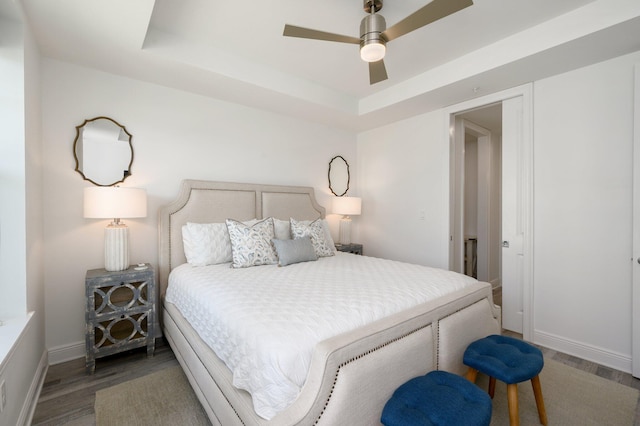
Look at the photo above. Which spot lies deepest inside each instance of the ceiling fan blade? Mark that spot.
(435, 10)
(293, 31)
(377, 72)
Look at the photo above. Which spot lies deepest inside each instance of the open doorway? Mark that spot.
(510, 218)
(481, 130)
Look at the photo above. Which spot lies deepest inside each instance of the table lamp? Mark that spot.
(114, 202)
(347, 206)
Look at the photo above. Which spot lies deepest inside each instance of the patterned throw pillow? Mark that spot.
(316, 231)
(206, 243)
(251, 244)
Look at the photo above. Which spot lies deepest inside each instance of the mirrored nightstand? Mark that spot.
(350, 248)
(120, 312)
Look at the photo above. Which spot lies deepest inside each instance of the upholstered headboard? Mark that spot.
(209, 202)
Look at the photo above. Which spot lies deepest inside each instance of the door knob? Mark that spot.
(505, 244)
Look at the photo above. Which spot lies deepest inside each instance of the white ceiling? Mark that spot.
(234, 50)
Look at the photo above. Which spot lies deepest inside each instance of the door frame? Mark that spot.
(524, 186)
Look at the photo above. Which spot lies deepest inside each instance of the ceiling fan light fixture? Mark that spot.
(372, 42)
(374, 34)
(372, 52)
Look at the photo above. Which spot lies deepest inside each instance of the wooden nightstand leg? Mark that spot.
(90, 364)
(90, 355)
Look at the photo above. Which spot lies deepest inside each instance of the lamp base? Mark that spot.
(116, 247)
(345, 230)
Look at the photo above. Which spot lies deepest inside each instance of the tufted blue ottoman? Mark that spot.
(511, 361)
(438, 398)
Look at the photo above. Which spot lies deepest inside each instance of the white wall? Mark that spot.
(582, 208)
(404, 183)
(22, 356)
(176, 135)
(582, 217)
(12, 172)
(31, 357)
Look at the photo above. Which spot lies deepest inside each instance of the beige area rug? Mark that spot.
(572, 397)
(159, 399)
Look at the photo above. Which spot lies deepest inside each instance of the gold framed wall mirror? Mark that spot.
(339, 176)
(103, 151)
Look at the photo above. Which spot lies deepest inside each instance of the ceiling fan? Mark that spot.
(374, 33)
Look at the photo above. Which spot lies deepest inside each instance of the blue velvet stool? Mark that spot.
(511, 361)
(438, 398)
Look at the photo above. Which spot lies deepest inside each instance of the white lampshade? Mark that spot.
(112, 202)
(348, 206)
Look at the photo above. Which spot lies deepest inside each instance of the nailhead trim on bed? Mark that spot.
(438, 331)
(170, 229)
(370, 351)
(231, 405)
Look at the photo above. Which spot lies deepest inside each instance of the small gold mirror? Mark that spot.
(339, 176)
(103, 151)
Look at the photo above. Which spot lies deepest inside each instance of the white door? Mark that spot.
(512, 231)
(635, 326)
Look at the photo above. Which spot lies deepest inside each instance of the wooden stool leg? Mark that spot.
(472, 374)
(512, 395)
(537, 392)
(492, 386)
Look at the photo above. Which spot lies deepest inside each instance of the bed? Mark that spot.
(351, 374)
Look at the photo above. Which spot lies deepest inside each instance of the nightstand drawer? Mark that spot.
(109, 298)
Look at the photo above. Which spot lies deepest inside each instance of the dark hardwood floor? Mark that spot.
(68, 394)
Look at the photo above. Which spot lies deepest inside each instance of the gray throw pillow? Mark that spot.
(294, 251)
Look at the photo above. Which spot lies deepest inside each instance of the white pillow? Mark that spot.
(318, 231)
(327, 236)
(282, 229)
(251, 244)
(206, 243)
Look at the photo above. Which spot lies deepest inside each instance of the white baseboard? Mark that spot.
(72, 351)
(31, 401)
(66, 353)
(591, 353)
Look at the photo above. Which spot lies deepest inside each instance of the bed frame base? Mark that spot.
(351, 375)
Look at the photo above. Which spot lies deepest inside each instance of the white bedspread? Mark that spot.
(264, 321)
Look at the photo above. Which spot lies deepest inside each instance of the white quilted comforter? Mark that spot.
(264, 321)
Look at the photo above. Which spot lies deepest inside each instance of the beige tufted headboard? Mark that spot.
(209, 202)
